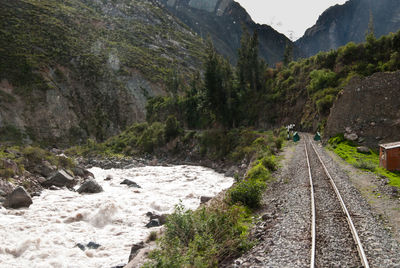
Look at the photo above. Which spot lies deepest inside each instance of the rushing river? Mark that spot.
(46, 234)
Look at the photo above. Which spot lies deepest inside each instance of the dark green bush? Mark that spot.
(325, 103)
(350, 53)
(248, 193)
(339, 138)
(10, 132)
(201, 238)
(364, 164)
(279, 142)
(321, 79)
(6, 173)
(152, 137)
(65, 162)
(217, 143)
(269, 162)
(172, 128)
(258, 172)
(152, 236)
(35, 155)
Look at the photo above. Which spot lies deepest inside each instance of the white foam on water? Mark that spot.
(46, 234)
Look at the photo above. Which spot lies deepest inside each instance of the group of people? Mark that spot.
(295, 135)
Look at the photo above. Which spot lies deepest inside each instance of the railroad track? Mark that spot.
(334, 239)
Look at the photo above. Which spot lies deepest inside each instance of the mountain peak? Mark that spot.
(224, 20)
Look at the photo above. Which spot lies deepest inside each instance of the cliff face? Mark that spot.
(341, 24)
(73, 69)
(370, 108)
(223, 20)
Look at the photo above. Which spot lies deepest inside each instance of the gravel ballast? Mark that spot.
(284, 227)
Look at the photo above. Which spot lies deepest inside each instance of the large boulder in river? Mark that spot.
(130, 183)
(90, 186)
(18, 198)
(60, 179)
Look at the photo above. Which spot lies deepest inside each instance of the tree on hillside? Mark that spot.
(218, 85)
(174, 81)
(288, 54)
(371, 45)
(250, 67)
(370, 33)
(193, 101)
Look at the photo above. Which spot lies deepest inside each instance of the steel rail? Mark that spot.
(313, 233)
(356, 238)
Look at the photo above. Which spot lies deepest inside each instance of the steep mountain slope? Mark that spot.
(341, 24)
(73, 69)
(223, 20)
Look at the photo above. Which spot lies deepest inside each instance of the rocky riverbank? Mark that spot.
(66, 173)
(115, 217)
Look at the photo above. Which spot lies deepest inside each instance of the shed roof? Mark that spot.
(391, 145)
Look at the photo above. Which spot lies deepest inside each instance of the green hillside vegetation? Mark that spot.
(37, 35)
(251, 94)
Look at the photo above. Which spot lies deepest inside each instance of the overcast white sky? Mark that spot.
(290, 17)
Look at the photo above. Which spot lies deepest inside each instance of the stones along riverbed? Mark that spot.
(47, 234)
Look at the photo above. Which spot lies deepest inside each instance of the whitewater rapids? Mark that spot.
(46, 234)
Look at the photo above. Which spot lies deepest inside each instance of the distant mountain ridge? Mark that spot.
(345, 23)
(223, 20)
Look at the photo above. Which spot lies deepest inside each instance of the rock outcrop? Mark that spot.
(371, 107)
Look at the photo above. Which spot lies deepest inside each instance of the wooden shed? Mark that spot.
(389, 156)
